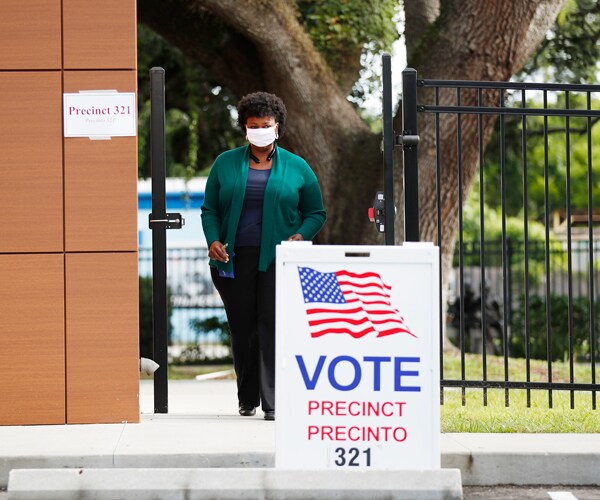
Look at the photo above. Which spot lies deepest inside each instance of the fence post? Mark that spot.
(388, 151)
(411, 168)
(159, 238)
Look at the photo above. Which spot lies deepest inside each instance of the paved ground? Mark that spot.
(203, 429)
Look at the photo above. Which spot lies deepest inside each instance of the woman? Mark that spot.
(256, 196)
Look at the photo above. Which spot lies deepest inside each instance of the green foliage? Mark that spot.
(145, 319)
(198, 121)
(515, 236)
(493, 222)
(570, 51)
(538, 170)
(201, 352)
(536, 160)
(214, 325)
(340, 28)
(352, 33)
(559, 328)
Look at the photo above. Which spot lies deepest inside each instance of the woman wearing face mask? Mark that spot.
(256, 196)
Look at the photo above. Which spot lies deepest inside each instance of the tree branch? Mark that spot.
(206, 39)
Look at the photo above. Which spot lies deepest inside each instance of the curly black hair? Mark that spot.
(261, 104)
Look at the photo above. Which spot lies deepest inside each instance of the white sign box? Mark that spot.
(357, 357)
(99, 114)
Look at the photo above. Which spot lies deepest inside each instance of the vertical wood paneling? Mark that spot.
(30, 34)
(32, 362)
(102, 338)
(84, 369)
(101, 178)
(99, 34)
(31, 162)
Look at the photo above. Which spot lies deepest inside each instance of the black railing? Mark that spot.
(193, 301)
(520, 295)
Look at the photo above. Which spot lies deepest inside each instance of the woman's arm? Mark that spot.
(210, 215)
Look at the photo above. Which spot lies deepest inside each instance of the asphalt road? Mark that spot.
(511, 493)
(531, 492)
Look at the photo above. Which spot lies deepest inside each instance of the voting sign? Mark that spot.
(357, 357)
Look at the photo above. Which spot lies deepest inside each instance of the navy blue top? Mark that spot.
(250, 224)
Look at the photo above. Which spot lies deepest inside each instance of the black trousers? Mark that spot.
(249, 300)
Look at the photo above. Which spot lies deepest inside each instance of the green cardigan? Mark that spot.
(292, 203)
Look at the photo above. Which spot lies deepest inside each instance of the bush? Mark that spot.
(214, 325)
(559, 328)
(202, 352)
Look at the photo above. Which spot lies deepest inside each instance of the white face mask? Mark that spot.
(261, 137)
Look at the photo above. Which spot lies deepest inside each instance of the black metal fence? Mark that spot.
(527, 264)
(528, 288)
(193, 302)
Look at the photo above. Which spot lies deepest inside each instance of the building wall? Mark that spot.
(68, 231)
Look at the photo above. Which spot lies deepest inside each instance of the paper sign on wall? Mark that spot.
(101, 114)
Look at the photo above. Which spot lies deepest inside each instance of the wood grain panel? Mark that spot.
(102, 338)
(100, 178)
(30, 34)
(31, 162)
(32, 339)
(99, 35)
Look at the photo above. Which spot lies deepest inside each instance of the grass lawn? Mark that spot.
(470, 414)
(473, 416)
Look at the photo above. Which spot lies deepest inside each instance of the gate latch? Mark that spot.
(172, 221)
(406, 140)
(377, 212)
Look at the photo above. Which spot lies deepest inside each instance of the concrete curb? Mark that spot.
(275, 484)
(524, 459)
(478, 467)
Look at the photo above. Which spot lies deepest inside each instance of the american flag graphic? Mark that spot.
(352, 303)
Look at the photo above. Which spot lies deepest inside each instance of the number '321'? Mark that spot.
(352, 457)
(122, 110)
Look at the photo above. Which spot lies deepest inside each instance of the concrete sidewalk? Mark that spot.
(204, 430)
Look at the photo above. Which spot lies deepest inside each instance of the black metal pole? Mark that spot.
(159, 238)
(388, 151)
(411, 168)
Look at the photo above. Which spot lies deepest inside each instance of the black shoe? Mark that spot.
(247, 410)
(269, 414)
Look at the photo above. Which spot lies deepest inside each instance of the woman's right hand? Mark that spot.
(217, 251)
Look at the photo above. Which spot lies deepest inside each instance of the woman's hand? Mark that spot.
(217, 251)
(296, 237)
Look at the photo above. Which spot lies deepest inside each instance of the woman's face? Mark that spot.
(262, 122)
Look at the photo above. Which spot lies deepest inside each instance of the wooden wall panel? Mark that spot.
(30, 34)
(31, 162)
(32, 339)
(101, 178)
(102, 338)
(99, 35)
